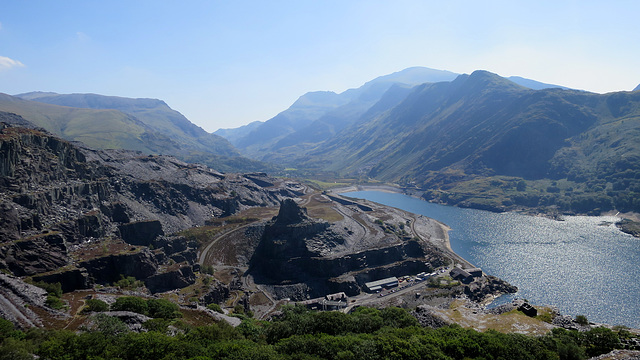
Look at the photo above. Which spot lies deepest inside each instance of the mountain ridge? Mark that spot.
(451, 136)
(110, 122)
(299, 129)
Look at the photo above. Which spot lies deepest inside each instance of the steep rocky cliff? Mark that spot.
(299, 256)
(79, 216)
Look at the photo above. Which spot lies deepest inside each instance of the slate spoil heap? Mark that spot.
(81, 217)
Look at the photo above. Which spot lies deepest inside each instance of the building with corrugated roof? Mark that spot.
(378, 285)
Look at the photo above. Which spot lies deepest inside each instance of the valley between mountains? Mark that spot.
(122, 207)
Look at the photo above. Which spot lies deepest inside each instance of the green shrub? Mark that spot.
(7, 329)
(582, 320)
(55, 302)
(158, 325)
(207, 269)
(110, 325)
(130, 303)
(161, 308)
(54, 289)
(238, 309)
(95, 305)
(128, 283)
(215, 307)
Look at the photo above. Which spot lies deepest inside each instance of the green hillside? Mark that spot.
(163, 131)
(470, 141)
(155, 114)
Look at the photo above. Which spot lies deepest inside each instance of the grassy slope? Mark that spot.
(96, 128)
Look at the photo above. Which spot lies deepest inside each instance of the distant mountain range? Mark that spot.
(109, 122)
(477, 140)
(317, 116)
(471, 141)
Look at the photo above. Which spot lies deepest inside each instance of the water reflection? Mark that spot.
(582, 265)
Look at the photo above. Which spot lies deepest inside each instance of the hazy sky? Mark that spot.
(227, 63)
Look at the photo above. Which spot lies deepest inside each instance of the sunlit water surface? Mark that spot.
(582, 265)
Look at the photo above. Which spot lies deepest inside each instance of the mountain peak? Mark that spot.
(488, 79)
(291, 213)
(316, 98)
(637, 88)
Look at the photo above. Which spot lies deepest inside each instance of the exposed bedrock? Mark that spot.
(170, 280)
(107, 269)
(70, 280)
(58, 199)
(141, 232)
(34, 255)
(296, 250)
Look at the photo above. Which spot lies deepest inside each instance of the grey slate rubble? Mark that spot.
(57, 197)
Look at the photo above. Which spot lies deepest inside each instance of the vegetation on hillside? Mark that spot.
(367, 333)
(482, 141)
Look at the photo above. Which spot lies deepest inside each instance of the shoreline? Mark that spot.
(391, 189)
(488, 300)
(630, 216)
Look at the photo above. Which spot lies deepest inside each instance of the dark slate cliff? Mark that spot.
(299, 256)
(60, 201)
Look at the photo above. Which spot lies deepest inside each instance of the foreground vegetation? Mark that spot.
(391, 333)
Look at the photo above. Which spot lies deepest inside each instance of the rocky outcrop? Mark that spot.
(132, 320)
(428, 318)
(70, 280)
(110, 268)
(170, 280)
(296, 250)
(141, 232)
(56, 197)
(217, 293)
(488, 286)
(34, 255)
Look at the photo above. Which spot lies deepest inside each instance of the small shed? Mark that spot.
(528, 310)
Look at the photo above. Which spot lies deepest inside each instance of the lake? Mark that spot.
(583, 265)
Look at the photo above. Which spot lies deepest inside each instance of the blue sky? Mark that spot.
(227, 63)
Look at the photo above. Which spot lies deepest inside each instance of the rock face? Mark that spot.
(34, 255)
(486, 286)
(427, 318)
(108, 269)
(299, 256)
(141, 232)
(287, 235)
(216, 294)
(175, 279)
(59, 200)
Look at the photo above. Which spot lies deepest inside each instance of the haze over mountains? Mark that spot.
(316, 116)
(448, 135)
(109, 122)
(461, 139)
